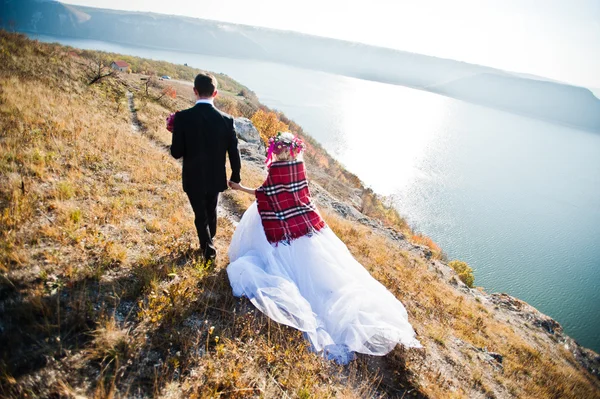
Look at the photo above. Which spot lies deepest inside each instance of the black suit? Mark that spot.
(202, 135)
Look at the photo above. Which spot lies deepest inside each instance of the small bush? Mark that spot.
(268, 124)
(110, 342)
(113, 254)
(64, 190)
(75, 215)
(464, 271)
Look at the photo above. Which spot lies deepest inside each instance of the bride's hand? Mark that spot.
(234, 185)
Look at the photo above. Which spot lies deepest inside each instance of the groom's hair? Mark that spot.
(205, 84)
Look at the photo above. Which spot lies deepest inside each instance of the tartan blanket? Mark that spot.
(284, 203)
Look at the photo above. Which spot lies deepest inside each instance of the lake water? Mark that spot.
(517, 198)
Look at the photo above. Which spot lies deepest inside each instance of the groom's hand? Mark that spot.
(233, 185)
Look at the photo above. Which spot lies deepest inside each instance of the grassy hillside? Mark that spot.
(101, 295)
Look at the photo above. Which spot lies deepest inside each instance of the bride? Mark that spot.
(294, 269)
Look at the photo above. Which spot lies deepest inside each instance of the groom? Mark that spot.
(202, 135)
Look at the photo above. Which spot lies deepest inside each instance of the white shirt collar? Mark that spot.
(205, 101)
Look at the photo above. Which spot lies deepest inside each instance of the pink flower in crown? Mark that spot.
(284, 141)
(298, 145)
(171, 122)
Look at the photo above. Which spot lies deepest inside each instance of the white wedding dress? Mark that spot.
(315, 285)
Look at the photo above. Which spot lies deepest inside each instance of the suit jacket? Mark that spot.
(202, 135)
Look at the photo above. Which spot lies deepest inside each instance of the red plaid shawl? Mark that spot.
(284, 203)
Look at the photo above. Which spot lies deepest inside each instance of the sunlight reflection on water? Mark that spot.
(386, 145)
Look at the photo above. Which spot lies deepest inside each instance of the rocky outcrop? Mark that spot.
(252, 148)
(248, 133)
(533, 318)
(527, 312)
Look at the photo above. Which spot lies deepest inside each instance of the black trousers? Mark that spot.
(205, 210)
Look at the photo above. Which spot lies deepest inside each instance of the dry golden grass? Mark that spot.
(102, 296)
(420, 239)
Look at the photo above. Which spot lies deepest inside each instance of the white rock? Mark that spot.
(246, 131)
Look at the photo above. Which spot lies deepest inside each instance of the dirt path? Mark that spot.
(135, 122)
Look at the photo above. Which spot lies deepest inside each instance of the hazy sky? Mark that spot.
(557, 39)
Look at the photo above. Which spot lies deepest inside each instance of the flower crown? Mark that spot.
(284, 141)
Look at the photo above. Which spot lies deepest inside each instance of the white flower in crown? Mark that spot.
(287, 136)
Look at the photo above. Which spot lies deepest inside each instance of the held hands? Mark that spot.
(238, 186)
(234, 185)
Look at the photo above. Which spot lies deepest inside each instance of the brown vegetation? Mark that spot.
(268, 124)
(102, 296)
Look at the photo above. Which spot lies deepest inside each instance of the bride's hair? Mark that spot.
(286, 156)
(285, 146)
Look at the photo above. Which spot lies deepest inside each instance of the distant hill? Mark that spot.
(518, 93)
